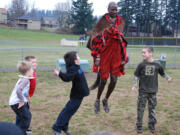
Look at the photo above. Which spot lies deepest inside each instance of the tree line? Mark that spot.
(143, 17)
(159, 17)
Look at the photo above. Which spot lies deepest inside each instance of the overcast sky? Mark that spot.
(99, 6)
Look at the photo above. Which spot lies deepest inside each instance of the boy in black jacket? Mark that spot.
(78, 91)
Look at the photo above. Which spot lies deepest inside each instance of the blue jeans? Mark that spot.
(65, 115)
(24, 116)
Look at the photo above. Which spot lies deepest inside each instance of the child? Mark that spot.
(78, 91)
(19, 97)
(32, 86)
(147, 74)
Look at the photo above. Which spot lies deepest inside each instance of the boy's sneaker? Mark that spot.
(105, 105)
(56, 133)
(28, 131)
(139, 129)
(67, 132)
(97, 106)
(152, 129)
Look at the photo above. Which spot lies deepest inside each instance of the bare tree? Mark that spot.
(63, 6)
(63, 12)
(34, 11)
(17, 8)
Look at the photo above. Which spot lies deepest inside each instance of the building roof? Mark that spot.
(28, 17)
(50, 18)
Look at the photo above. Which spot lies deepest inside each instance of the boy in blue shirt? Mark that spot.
(78, 91)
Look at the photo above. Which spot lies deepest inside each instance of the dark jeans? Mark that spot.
(18, 119)
(24, 116)
(68, 111)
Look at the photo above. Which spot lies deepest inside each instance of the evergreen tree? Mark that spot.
(81, 16)
(160, 17)
(174, 14)
(178, 17)
(138, 16)
(127, 10)
(147, 16)
(171, 17)
(156, 18)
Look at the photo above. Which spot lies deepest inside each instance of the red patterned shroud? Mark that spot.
(98, 43)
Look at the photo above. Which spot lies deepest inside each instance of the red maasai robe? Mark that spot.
(111, 49)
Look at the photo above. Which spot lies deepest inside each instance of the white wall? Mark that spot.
(34, 25)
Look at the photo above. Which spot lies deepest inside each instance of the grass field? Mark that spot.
(15, 44)
(12, 38)
(48, 56)
(52, 94)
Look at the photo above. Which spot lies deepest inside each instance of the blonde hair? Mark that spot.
(23, 67)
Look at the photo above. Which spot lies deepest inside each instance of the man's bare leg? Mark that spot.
(111, 87)
(100, 90)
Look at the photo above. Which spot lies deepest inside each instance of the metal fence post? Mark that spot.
(153, 41)
(133, 41)
(129, 55)
(176, 41)
(175, 57)
(78, 51)
(22, 54)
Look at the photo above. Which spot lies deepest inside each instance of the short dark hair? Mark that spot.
(70, 58)
(149, 48)
(28, 58)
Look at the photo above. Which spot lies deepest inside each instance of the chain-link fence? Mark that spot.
(171, 56)
(47, 57)
(153, 41)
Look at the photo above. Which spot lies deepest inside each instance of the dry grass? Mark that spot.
(52, 94)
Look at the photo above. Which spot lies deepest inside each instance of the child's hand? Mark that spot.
(20, 105)
(29, 100)
(170, 80)
(56, 72)
(134, 88)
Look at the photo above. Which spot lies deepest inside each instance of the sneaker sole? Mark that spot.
(96, 112)
(28, 132)
(152, 132)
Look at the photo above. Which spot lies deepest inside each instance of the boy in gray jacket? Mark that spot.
(19, 97)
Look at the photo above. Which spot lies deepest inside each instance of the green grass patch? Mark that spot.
(52, 94)
(16, 44)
